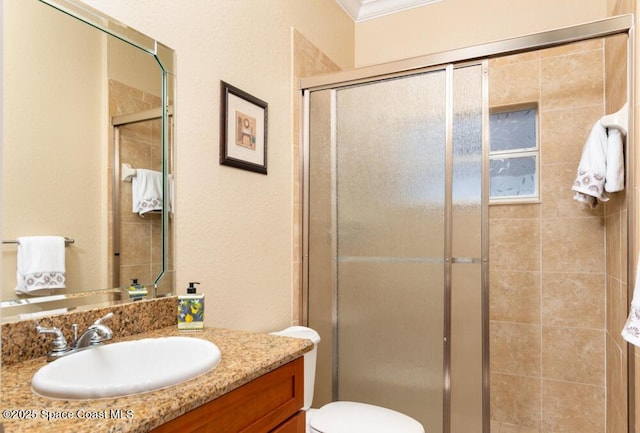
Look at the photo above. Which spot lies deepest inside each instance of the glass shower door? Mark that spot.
(469, 233)
(390, 155)
(395, 245)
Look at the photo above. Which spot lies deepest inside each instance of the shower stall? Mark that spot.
(396, 235)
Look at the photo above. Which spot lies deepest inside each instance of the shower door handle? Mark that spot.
(466, 260)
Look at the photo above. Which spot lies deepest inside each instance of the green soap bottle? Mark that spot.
(191, 309)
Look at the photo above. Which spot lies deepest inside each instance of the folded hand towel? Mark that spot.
(41, 264)
(631, 330)
(601, 166)
(592, 170)
(146, 188)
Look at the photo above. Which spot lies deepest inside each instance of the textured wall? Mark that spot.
(234, 228)
(451, 24)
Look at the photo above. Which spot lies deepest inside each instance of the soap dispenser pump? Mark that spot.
(192, 289)
(191, 309)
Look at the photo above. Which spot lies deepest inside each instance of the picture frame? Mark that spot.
(243, 129)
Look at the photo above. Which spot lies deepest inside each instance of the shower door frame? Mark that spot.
(622, 24)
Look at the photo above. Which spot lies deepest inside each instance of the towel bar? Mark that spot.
(67, 241)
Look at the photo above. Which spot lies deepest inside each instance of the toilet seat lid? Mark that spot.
(352, 417)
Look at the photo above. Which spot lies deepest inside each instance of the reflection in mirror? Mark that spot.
(69, 92)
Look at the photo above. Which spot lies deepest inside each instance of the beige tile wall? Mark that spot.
(547, 276)
(140, 146)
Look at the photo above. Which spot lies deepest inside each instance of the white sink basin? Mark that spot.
(126, 368)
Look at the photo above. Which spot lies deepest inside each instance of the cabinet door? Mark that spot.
(256, 407)
(295, 424)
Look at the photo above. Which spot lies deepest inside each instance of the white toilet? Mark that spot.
(344, 416)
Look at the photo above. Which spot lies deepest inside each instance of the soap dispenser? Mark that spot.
(191, 309)
(136, 290)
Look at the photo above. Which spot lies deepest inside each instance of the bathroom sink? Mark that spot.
(126, 368)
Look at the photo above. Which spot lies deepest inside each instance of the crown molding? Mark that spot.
(362, 10)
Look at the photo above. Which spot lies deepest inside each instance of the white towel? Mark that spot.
(631, 330)
(614, 180)
(601, 166)
(146, 189)
(171, 193)
(41, 264)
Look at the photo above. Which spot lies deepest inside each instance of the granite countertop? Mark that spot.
(245, 356)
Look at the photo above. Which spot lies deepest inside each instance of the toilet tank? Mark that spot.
(309, 358)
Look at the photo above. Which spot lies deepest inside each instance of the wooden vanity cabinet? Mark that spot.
(295, 424)
(269, 404)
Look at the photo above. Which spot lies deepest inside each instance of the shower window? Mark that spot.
(513, 154)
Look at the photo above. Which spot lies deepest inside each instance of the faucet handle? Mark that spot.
(59, 343)
(106, 317)
(101, 331)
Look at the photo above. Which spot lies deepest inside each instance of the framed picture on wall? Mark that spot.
(243, 129)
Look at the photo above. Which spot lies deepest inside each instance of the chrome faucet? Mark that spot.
(95, 335)
(59, 346)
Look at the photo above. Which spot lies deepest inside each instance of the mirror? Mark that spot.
(83, 95)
